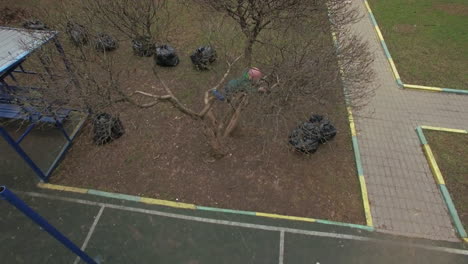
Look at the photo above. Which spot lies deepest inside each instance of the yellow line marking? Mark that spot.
(461, 131)
(365, 200)
(352, 125)
(305, 219)
(353, 128)
(61, 188)
(421, 87)
(167, 203)
(395, 71)
(334, 37)
(368, 6)
(433, 164)
(350, 112)
(379, 33)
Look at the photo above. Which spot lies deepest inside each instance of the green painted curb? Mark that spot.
(357, 156)
(421, 136)
(221, 210)
(456, 91)
(399, 82)
(327, 222)
(453, 211)
(115, 195)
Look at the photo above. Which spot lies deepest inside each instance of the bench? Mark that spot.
(12, 111)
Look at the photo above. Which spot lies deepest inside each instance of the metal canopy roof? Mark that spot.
(16, 44)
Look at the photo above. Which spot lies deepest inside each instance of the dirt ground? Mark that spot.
(164, 154)
(453, 9)
(451, 153)
(165, 157)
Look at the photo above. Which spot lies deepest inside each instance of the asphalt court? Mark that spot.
(114, 231)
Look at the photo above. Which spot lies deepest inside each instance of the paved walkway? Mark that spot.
(403, 194)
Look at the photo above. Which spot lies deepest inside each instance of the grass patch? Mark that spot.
(427, 39)
(451, 153)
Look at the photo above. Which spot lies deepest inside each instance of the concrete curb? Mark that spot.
(439, 177)
(178, 205)
(392, 63)
(362, 180)
(357, 153)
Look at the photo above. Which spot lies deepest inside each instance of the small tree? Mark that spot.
(215, 129)
(296, 62)
(255, 16)
(134, 19)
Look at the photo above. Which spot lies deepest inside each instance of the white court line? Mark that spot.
(90, 233)
(281, 250)
(252, 226)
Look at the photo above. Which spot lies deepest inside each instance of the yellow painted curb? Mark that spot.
(395, 71)
(421, 87)
(379, 33)
(335, 40)
(305, 219)
(352, 125)
(461, 131)
(365, 198)
(433, 164)
(368, 7)
(167, 203)
(61, 188)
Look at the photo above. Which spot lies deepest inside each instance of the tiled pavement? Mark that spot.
(403, 195)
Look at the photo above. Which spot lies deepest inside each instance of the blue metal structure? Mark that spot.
(18, 44)
(10, 197)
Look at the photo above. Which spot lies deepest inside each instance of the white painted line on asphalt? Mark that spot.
(281, 248)
(251, 226)
(90, 233)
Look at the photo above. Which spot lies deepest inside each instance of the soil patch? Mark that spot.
(453, 9)
(404, 28)
(165, 156)
(12, 16)
(451, 153)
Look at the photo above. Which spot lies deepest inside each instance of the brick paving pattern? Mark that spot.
(403, 195)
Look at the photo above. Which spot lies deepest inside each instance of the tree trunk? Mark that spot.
(235, 116)
(248, 51)
(217, 148)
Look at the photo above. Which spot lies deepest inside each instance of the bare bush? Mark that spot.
(134, 19)
(295, 51)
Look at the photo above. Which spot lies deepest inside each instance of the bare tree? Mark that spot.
(134, 19)
(215, 129)
(255, 16)
(297, 56)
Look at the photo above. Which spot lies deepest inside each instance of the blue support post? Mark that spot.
(28, 130)
(60, 126)
(25, 209)
(22, 154)
(12, 77)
